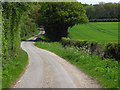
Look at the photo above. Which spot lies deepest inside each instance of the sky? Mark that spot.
(96, 1)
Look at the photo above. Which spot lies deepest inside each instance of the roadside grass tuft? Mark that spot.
(12, 71)
(104, 71)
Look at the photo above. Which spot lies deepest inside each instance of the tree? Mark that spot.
(102, 10)
(57, 17)
(90, 11)
(99, 11)
(28, 21)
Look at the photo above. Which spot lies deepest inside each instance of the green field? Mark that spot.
(98, 31)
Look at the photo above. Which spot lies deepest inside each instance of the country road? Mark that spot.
(47, 70)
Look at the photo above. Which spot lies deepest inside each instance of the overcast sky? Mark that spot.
(96, 1)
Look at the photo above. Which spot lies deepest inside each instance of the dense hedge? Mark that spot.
(106, 50)
(104, 20)
(12, 14)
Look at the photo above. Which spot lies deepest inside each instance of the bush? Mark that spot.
(81, 43)
(112, 50)
(108, 50)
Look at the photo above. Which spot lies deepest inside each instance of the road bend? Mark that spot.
(47, 70)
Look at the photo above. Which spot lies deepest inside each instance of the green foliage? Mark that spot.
(31, 35)
(12, 71)
(104, 20)
(104, 71)
(90, 10)
(107, 50)
(12, 13)
(102, 11)
(28, 22)
(112, 50)
(14, 59)
(16, 24)
(28, 26)
(56, 17)
(99, 31)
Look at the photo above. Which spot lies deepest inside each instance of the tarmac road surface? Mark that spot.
(47, 70)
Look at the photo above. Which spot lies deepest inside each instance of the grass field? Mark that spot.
(98, 31)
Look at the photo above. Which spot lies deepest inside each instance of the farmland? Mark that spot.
(99, 31)
(22, 62)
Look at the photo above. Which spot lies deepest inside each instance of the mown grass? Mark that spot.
(12, 71)
(95, 31)
(27, 37)
(104, 71)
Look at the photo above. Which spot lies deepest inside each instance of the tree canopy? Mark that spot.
(102, 10)
(56, 17)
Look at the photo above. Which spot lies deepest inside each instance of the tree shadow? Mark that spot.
(29, 40)
(39, 39)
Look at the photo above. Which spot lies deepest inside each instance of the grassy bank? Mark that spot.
(12, 71)
(14, 68)
(98, 31)
(31, 35)
(104, 71)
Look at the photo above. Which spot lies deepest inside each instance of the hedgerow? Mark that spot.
(16, 24)
(11, 13)
(104, 50)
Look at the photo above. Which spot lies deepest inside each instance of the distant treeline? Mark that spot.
(103, 11)
(104, 20)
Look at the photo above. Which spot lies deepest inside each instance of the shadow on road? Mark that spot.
(29, 41)
(40, 39)
(43, 40)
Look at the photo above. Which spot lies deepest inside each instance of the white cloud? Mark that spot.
(97, 1)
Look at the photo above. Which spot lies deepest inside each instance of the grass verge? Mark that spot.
(12, 71)
(104, 71)
(27, 37)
